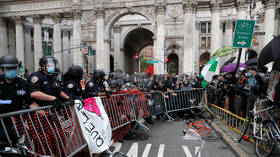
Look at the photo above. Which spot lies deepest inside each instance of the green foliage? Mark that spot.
(173, 67)
(143, 64)
(224, 51)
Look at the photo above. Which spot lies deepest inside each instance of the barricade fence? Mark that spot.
(47, 131)
(56, 131)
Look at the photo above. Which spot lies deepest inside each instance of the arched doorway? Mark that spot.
(172, 64)
(133, 38)
(204, 58)
(111, 63)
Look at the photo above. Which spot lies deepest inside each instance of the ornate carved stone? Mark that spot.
(261, 18)
(174, 11)
(269, 4)
(117, 28)
(99, 12)
(76, 15)
(229, 24)
(189, 6)
(18, 20)
(89, 16)
(160, 8)
(56, 18)
(241, 5)
(216, 5)
(37, 19)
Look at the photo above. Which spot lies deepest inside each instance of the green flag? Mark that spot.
(209, 71)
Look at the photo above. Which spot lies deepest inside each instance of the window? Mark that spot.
(205, 33)
(203, 41)
(208, 41)
(203, 27)
(209, 27)
(224, 27)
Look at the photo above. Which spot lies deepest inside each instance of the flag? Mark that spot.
(209, 71)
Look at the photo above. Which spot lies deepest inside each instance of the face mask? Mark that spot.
(11, 74)
(51, 69)
(249, 74)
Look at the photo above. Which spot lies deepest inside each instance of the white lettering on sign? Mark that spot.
(34, 6)
(95, 124)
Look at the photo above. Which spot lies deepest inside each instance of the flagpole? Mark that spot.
(238, 60)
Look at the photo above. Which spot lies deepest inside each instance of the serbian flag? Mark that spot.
(150, 70)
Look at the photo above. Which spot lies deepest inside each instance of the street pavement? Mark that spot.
(246, 146)
(165, 139)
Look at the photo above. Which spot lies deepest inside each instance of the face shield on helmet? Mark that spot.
(10, 66)
(49, 65)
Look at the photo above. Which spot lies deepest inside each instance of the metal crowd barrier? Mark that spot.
(148, 104)
(121, 112)
(233, 121)
(47, 131)
(56, 132)
(183, 100)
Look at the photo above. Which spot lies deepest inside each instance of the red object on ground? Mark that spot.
(150, 70)
(245, 138)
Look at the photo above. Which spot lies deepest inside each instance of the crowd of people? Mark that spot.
(48, 86)
(238, 91)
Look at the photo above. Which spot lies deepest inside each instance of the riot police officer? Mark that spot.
(14, 93)
(97, 86)
(71, 82)
(45, 89)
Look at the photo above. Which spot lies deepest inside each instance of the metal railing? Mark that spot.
(56, 132)
(47, 130)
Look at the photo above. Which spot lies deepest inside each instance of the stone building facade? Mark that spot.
(187, 28)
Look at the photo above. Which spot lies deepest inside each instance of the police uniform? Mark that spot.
(13, 97)
(73, 89)
(15, 94)
(39, 81)
(92, 88)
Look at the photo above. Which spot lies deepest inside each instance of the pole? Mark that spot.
(238, 60)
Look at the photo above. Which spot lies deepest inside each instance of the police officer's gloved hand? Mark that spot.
(57, 103)
(70, 101)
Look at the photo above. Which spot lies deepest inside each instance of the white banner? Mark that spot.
(95, 124)
(274, 79)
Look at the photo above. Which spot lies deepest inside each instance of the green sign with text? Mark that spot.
(244, 30)
(151, 61)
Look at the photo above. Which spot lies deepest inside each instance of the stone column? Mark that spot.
(269, 23)
(215, 25)
(269, 18)
(188, 64)
(242, 14)
(57, 38)
(37, 41)
(100, 51)
(29, 56)
(196, 47)
(241, 7)
(77, 37)
(228, 33)
(66, 54)
(160, 9)
(260, 37)
(3, 37)
(12, 38)
(117, 47)
(19, 39)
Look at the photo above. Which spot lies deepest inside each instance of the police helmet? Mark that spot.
(112, 75)
(9, 62)
(98, 74)
(47, 59)
(76, 71)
